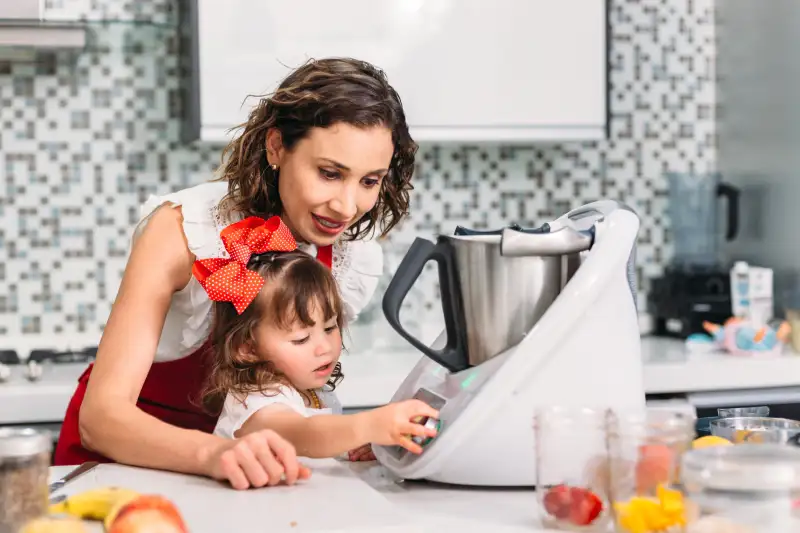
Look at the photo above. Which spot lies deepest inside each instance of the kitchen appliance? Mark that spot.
(696, 285)
(694, 218)
(532, 318)
(681, 300)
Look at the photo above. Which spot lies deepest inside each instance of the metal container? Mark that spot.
(24, 464)
(494, 286)
(757, 429)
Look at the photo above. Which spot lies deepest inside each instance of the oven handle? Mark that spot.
(782, 395)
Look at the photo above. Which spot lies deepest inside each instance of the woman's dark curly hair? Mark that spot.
(319, 94)
(295, 285)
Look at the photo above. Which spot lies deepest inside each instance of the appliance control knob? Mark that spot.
(34, 371)
(5, 373)
(428, 423)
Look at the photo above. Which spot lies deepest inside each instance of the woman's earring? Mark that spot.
(274, 167)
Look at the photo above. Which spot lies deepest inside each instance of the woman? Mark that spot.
(330, 153)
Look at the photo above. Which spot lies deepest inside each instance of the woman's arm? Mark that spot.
(332, 435)
(110, 422)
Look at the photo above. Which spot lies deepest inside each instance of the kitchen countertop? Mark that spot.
(372, 378)
(669, 368)
(339, 496)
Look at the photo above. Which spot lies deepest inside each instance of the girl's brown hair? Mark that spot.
(320, 94)
(295, 285)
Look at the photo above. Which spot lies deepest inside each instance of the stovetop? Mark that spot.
(43, 365)
(38, 375)
(84, 355)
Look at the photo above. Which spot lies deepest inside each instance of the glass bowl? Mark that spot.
(757, 429)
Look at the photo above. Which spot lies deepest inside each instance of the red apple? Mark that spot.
(147, 514)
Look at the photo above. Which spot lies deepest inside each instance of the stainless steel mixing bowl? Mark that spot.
(758, 429)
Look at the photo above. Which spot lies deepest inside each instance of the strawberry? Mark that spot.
(557, 502)
(585, 506)
(576, 505)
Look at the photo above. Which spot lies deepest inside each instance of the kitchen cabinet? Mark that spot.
(466, 70)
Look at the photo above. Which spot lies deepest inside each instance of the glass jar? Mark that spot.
(24, 464)
(645, 452)
(750, 488)
(572, 468)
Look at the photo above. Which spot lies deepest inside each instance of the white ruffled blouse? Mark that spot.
(357, 267)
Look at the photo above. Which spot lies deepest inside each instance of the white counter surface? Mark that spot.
(338, 497)
(669, 369)
(372, 378)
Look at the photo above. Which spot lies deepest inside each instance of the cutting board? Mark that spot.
(334, 499)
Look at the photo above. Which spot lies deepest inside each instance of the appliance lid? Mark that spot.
(23, 29)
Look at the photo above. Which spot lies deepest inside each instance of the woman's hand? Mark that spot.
(394, 424)
(256, 460)
(364, 453)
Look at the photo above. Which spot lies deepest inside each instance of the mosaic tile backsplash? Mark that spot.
(84, 140)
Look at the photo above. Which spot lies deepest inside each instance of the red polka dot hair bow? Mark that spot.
(229, 280)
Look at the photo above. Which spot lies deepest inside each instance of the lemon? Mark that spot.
(710, 440)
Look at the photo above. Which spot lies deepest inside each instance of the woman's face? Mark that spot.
(330, 179)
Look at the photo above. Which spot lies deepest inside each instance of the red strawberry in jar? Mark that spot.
(557, 502)
(574, 505)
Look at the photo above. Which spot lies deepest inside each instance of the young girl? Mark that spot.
(276, 341)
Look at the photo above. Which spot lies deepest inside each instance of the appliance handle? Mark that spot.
(566, 240)
(603, 208)
(453, 355)
(731, 195)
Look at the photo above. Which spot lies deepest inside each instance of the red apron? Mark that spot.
(171, 393)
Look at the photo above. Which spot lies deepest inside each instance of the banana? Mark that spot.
(94, 504)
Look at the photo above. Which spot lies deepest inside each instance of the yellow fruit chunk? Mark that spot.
(646, 515)
(54, 525)
(632, 523)
(709, 441)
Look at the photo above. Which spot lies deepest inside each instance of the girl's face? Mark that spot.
(305, 355)
(330, 179)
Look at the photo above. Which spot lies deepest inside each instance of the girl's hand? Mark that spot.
(393, 425)
(255, 460)
(363, 453)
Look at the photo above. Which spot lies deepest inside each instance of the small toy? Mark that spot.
(739, 337)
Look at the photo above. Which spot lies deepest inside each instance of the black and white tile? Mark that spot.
(84, 140)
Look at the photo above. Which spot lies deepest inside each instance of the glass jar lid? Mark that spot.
(744, 467)
(23, 442)
(565, 416)
(663, 426)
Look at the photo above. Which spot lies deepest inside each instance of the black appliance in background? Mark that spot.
(682, 299)
(696, 286)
